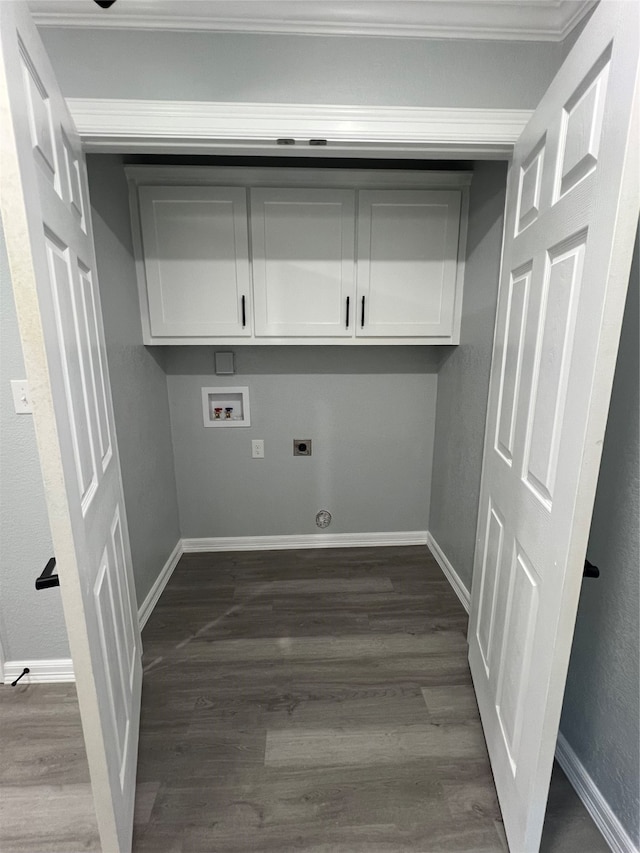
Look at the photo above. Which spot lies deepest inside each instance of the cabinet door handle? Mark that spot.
(347, 326)
(362, 315)
(244, 312)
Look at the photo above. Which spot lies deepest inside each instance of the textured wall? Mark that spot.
(370, 413)
(463, 379)
(31, 623)
(300, 69)
(138, 381)
(601, 712)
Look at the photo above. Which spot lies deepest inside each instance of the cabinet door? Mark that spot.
(303, 262)
(407, 262)
(196, 259)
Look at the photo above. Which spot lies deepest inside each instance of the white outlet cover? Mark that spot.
(21, 396)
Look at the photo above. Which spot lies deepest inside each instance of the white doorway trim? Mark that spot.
(197, 126)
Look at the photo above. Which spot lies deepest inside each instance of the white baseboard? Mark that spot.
(146, 608)
(61, 669)
(452, 576)
(312, 540)
(40, 671)
(612, 830)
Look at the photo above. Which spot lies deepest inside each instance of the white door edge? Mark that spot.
(572, 193)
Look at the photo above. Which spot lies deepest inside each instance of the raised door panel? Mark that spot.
(570, 222)
(47, 225)
(407, 262)
(303, 262)
(196, 258)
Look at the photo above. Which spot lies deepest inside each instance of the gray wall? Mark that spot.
(138, 381)
(31, 623)
(463, 379)
(370, 413)
(601, 712)
(300, 69)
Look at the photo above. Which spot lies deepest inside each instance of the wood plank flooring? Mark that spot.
(292, 701)
(313, 701)
(45, 795)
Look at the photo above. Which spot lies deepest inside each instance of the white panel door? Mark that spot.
(407, 262)
(571, 215)
(303, 264)
(46, 219)
(196, 258)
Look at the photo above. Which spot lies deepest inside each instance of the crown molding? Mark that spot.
(521, 20)
(113, 125)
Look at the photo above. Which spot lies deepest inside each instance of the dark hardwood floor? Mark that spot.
(46, 805)
(292, 701)
(313, 701)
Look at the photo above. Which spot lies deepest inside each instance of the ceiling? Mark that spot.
(522, 20)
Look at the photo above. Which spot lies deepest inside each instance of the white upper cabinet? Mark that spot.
(196, 260)
(407, 263)
(303, 262)
(239, 255)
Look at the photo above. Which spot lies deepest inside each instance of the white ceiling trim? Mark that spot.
(112, 124)
(522, 20)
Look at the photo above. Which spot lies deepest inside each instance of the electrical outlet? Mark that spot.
(302, 447)
(257, 448)
(21, 398)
